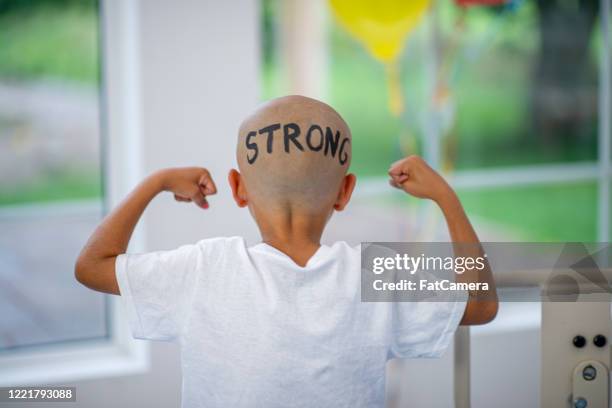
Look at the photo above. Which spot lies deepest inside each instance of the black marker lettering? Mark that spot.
(328, 141)
(251, 146)
(331, 141)
(270, 131)
(309, 138)
(343, 158)
(292, 131)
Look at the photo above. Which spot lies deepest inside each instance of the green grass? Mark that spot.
(47, 41)
(539, 213)
(557, 213)
(54, 186)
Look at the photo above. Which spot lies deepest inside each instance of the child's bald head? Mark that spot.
(293, 153)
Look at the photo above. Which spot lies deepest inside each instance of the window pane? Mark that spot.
(495, 86)
(50, 179)
(473, 88)
(538, 213)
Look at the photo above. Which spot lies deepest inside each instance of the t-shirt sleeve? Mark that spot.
(157, 288)
(424, 329)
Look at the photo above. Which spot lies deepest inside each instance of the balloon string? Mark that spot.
(396, 102)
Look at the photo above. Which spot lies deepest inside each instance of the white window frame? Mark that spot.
(118, 353)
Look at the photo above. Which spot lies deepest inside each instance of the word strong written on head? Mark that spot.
(328, 142)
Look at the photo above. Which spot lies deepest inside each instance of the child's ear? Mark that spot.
(237, 185)
(346, 191)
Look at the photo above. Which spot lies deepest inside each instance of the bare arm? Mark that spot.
(95, 267)
(483, 305)
(415, 177)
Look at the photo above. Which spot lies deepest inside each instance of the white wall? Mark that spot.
(195, 93)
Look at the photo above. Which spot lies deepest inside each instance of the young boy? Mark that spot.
(278, 324)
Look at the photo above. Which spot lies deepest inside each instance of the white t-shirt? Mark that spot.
(257, 330)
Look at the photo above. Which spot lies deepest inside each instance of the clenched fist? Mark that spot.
(189, 184)
(413, 175)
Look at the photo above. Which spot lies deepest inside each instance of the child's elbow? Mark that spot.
(81, 270)
(489, 311)
(479, 313)
(96, 273)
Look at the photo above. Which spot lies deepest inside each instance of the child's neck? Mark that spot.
(295, 236)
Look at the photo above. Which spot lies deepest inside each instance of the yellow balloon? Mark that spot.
(382, 25)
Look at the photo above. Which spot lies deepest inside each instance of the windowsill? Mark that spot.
(69, 364)
(64, 363)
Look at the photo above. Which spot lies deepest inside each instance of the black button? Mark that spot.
(579, 341)
(600, 340)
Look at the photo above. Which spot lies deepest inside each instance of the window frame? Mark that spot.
(118, 353)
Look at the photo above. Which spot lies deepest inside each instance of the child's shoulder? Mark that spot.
(221, 243)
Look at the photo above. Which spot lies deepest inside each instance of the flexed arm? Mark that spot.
(95, 267)
(414, 176)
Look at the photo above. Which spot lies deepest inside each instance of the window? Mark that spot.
(50, 192)
(503, 99)
(54, 185)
